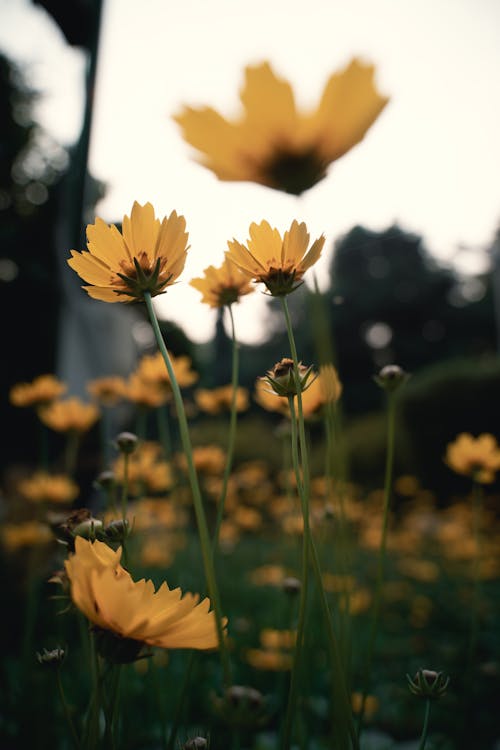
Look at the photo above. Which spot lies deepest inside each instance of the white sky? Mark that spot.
(430, 162)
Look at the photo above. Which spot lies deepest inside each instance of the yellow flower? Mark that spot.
(325, 389)
(26, 534)
(273, 143)
(108, 596)
(222, 286)
(208, 459)
(269, 400)
(478, 458)
(147, 256)
(70, 415)
(277, 262)
(216, 400)
(108, 389)
(152, 369)
(42, 390)
(48, 488)
(144, 393)
(147, 471)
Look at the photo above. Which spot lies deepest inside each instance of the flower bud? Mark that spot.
(106, 480)
(88, 529)
(53, 658)
(291, 585)
(391, 377)
(196, 743)
(281, 377)
(242, 706)
(115, 531)
(428, 684)
(126, 442)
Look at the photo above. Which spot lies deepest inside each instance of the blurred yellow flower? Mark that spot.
(152, 370)
(273, 143)
(108, 390)
(325, 389)
(216, 400)
(268, 400)
(48, 488)
(222, 286)
(278, 262)
(147, 256)
(268, 659)
(147, 470)
(478, 458)
(108, 596)
(371, 705)
(208, 459)
(144, 393)
(69, 415)
(42, 390)
(26, 534)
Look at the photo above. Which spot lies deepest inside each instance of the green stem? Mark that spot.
(425, 728)
(180, 702)
(195, 489)
(477, 498)
(67, 713)
(232, 431)
(389, 468)
(93, 714)
(341, 704)
(294, 677)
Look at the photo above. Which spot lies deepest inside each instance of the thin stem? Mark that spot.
(389, 468)
(180, 702)
(342, 707)
(477, 497)
(425, 728)
(67, 713)
(294, 677)
(205, 544)
(232, 430)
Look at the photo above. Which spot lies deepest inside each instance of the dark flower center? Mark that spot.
(294, 172)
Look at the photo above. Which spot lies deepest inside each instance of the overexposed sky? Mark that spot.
(430, 162)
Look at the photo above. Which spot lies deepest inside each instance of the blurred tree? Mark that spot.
(31, 165)
(390, 301)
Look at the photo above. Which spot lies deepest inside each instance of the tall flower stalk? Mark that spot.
(342, 716)
(232, 430)
(389, 378)
(206, 547)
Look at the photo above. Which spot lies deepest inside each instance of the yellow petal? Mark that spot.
(313, 254)
(106, 242)
(106, 294)
(141, 230)
(89, 268)
(268, 101)
(295, 243)
(265, 244)
(349, 105)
